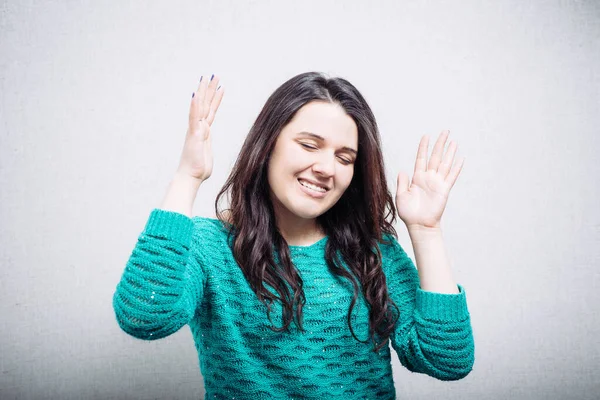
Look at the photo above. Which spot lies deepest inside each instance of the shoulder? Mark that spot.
(209, 228)
(210, 241)
(391, 250)
(388, 243)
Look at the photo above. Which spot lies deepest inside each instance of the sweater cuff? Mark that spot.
(442, 306)
(169, 225)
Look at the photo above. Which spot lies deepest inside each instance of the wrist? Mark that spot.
(182, 177)
(421, 232)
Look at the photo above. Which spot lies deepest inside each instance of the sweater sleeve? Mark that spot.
(163, 280)
(433, 334)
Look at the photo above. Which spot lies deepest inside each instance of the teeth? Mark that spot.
(311, 186)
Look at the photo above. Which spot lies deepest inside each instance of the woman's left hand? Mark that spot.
(422, 204)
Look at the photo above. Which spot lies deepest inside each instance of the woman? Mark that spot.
(295, 289)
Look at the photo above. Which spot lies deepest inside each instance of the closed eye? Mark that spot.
(344, 160)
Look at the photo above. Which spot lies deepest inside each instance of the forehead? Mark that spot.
(325, 119)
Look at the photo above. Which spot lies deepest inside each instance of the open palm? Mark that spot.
(422, 203)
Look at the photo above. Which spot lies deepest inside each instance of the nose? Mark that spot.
(325, 165)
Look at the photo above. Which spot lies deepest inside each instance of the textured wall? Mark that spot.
(94, 103)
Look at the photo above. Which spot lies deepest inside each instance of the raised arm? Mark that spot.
(433, 334)
(163, 281)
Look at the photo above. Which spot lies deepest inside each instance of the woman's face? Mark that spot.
(317, 147)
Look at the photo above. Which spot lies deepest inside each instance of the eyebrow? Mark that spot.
(321, 138)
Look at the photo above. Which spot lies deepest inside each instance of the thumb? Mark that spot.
(402, 182)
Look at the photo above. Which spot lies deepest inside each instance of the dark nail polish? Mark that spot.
(211, 78)
(200, 79)
(219, 87)
(193, 94)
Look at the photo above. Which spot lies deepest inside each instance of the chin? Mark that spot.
(306, 213)
(309, 211)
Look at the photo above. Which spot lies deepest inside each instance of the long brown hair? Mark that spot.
(251, 217)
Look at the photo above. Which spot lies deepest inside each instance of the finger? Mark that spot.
(200, 98)
(446, 164)
(215, 105)
(438, 150)
(402, 182)
(213, 84)
(421, 162)
(194, 104)
(453, 175)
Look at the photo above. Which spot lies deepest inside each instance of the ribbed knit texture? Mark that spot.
(182, 271)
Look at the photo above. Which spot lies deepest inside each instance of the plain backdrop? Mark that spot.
(94, 104)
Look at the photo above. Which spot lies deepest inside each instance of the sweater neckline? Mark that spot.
(320, 244)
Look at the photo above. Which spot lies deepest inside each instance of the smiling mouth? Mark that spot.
(314, 188)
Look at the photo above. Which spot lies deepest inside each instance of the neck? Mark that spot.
(297, 231)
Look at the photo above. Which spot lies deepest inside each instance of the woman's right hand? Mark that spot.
(196, 157)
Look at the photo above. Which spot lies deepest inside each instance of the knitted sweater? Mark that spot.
(182, 271)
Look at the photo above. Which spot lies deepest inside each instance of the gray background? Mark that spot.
(94, 106)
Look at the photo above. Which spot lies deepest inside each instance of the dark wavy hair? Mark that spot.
(251, 217)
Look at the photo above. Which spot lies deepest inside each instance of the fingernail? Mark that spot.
(211, 78)
(200, 79)
(193, 94)
(219, 87)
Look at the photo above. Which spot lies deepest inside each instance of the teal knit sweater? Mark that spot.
(182, 271)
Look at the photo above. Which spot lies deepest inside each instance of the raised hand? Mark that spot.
(196, 157)
(422, 204)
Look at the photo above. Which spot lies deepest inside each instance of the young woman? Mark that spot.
(294, 290)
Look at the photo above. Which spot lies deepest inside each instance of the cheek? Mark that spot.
(346, 178)
(300, 158)
(291, 158)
